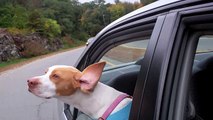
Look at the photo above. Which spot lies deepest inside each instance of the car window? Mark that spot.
(205, 44)
(123, 49)
(204, 47)
(121, 60)
(125, 54)
(201, 77)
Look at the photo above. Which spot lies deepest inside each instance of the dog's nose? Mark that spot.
(33, 82)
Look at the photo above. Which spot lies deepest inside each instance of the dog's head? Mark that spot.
(63, 80)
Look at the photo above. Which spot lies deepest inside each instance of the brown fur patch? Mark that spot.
(65, 80)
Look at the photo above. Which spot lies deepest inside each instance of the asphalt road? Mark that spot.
(16, 103)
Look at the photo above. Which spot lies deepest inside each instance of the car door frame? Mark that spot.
(166, 72)
(157, 65)
(193, 20)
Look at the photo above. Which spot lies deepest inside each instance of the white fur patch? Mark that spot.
(47, 88)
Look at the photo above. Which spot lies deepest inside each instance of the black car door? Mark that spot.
(172, 92)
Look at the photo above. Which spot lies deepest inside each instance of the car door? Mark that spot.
(124, 47)
(171, 70)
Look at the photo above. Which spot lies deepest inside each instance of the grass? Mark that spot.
(13, 61)
(76, 44)
(71, 43)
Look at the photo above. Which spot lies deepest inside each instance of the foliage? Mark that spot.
(15, 31)
(44, 26)
(146, 2)
(66, 13)
(58, 18)
(11, 62)
(36, 21)
(51, 28)
(94, 18)
(13, 16)
(116, 11)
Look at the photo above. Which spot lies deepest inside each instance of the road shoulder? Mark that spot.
(13, 66)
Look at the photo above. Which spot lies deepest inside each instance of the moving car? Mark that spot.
(162, 55)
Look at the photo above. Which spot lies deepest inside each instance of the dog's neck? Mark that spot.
(95, 103)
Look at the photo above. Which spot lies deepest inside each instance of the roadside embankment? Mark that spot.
(25, 46)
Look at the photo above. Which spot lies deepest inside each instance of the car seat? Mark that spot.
(201, 89)
(125, 82)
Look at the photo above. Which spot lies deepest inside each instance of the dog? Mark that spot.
(83, 91)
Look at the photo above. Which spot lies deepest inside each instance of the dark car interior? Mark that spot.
(198, 107)
(201, 87)
(126, 82)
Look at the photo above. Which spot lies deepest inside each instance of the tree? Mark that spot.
(146, 2)
(13, 16)
(66, 13)
(99, 2)
(117, 1)
(35, 21)
(116, 11)
(94, 17)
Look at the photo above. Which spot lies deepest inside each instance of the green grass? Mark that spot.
(75, 44)
(11, 62)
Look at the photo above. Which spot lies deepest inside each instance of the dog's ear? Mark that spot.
(90, 76)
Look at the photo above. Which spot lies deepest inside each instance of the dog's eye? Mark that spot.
(55, 76)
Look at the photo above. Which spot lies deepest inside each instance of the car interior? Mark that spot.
(198, 107)
(125, 79)
(200, 99)
(200, 96)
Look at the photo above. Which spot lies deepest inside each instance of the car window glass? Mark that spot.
(125, 53)
(204, 47)
(205, 44)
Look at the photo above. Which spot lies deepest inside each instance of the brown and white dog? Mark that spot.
(79, 89)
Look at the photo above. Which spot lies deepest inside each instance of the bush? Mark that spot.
(82, 36)
(44, 26)
(51, 28)
(68, 42)
(15, 31)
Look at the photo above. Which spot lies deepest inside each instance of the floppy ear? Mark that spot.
(90, 76)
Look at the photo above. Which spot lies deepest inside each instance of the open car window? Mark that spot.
(205, 44)
(123, 49)
(122, 68)
(204, 47)
(125, 54)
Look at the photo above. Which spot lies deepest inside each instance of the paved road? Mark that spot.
(16, 103)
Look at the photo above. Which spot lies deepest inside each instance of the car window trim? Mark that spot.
(135, 113)
(158, 66)
(113, 39)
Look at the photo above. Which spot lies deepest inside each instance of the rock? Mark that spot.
(16, 46)
(8, 49)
